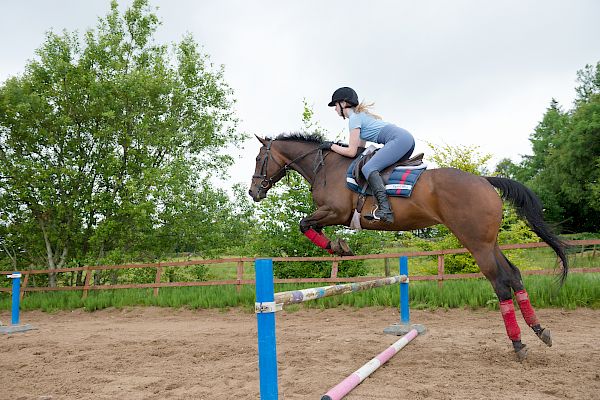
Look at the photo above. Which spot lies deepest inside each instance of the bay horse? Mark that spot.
(467, 204)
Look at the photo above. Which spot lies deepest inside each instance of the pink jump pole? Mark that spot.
(344, 387)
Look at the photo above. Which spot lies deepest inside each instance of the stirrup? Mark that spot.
(373, 216)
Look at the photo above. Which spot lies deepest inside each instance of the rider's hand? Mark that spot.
(326, 145)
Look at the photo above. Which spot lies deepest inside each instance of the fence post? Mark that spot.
(240, 275)
(86, 283)
(265, 319)
(24, 285)
(440, 275)
(157, 279)
(334, 269)
(386, 266)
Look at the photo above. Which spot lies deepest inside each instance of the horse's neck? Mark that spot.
(309, 167)
(303, 165)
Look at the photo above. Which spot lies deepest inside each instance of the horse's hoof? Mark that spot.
(521, 353)
(341, 248)
(545, 336)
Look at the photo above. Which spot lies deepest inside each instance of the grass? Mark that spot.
(580, 290)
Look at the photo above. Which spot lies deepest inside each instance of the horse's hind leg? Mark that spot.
(506, 278)
(502, 277)
(525, 306)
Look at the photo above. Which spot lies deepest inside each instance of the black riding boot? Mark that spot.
(384, 211)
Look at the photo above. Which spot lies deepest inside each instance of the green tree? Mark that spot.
(564, 169)
(575, 165)
(205, 223)
(466, 158)
(507, 169)
(101, 142)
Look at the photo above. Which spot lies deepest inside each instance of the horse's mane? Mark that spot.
(300, 137)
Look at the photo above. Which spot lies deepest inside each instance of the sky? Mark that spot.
(457, 72)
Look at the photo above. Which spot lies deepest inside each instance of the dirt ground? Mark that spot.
(156, 353)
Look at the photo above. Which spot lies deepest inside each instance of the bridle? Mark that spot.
(267, 183)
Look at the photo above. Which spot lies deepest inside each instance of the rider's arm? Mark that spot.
(352, 149)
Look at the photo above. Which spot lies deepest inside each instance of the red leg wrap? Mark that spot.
(526, 309)
(510, 321)
(318, 238)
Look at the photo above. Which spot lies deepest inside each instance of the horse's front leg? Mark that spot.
(312, 227)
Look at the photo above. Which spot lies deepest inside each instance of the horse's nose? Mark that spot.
(256, 197)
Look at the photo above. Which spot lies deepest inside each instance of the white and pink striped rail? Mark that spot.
(352, 381)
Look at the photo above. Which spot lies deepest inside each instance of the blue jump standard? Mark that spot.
(267, 352)
(16, 297)
(266, 306)
(404, 326)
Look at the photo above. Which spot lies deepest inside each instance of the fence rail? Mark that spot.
(239, 281)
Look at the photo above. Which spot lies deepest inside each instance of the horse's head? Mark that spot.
(267, 172)
(285, 152)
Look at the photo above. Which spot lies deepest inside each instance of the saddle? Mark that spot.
(399, 178)
(392, 175)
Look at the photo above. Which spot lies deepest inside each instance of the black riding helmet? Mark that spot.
(344, 94)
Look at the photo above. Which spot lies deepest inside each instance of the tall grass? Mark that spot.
(580, 290)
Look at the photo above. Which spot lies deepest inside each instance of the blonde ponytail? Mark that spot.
(366, 108)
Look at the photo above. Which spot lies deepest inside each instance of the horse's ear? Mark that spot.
(263, 141)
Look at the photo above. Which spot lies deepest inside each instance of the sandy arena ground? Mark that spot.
(154, 353)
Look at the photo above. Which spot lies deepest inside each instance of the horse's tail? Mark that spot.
(529, 207)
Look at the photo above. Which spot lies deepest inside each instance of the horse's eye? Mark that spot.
(257, 158)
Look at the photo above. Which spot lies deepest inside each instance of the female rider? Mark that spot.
(364, 126)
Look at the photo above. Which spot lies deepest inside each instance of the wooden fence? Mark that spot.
(240, 261)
